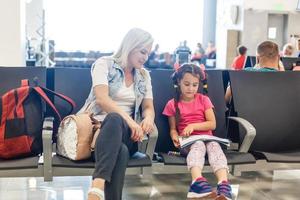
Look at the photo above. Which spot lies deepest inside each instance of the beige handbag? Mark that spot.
(76, 136)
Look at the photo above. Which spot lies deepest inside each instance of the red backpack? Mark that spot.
(22, 115)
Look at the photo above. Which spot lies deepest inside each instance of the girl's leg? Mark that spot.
(199, 188)
(221, 175)
(195, 159)
(217, 160)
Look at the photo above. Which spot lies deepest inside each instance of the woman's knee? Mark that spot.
(112, 125)
(114, 118)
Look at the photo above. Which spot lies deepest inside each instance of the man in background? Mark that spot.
(239, 61)
(267, 56)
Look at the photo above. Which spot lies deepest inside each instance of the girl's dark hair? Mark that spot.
(193, 69)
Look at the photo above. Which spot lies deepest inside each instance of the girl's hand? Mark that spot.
(176, 141)
(137, 132)
(147, 125)
(188, 130)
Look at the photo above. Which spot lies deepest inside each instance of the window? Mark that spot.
(101, 24)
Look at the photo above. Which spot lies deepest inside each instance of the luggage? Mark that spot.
(76, 136)
(21, 123)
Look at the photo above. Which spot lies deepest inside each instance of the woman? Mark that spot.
(121, 87)
(288, 50)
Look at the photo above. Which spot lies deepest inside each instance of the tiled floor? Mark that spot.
(279, 185)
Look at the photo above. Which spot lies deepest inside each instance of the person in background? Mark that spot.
(239, 61)
(198, 53)
(182, 55)
(154, 57)
(288, 50)
(209, 59)
(121, 87)
(267, 56)
(191, 113)
(210, 51)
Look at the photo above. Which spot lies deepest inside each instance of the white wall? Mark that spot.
(34, 15)
(252, 24)
(224, 23)
(279, 5)
(12, 34)
(293, 23)
(256, 27)
(258, 11)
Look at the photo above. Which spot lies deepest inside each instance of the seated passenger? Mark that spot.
(267, 56)
(120, 87)
(288, 50)
(154, 58)
(191, 113)
(198, 53)
(210, 51)
(239, 61)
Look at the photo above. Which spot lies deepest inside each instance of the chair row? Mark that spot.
(270, 101)
(215, 80)
(266, 107)
(252, 105)
(76, 84)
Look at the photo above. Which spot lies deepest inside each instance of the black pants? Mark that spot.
(112, 150)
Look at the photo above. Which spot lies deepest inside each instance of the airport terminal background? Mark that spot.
(221, 27)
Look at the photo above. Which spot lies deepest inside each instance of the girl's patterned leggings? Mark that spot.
(216, 157)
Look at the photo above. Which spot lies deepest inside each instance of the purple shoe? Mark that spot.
(201, 189)
(224, 191)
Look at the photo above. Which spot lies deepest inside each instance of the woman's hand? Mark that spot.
(147, 125)
(188, 130)
(137, 132)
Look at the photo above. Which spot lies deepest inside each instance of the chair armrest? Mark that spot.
(152, 137)
(249, 136)
(47, 147)
(148, 143)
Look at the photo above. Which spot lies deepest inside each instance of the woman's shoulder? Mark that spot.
(103, 63)
(145, 71)
(145, 74)
(104, 60)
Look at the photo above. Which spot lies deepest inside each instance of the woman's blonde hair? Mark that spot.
(136, 38)
(289, 47)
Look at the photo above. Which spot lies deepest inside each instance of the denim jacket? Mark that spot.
(115, 80)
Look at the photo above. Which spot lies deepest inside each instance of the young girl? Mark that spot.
(191, 113)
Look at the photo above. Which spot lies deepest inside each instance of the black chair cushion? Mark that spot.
(20, 163)
(283, 157)
(233, 158)
(59, 161)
